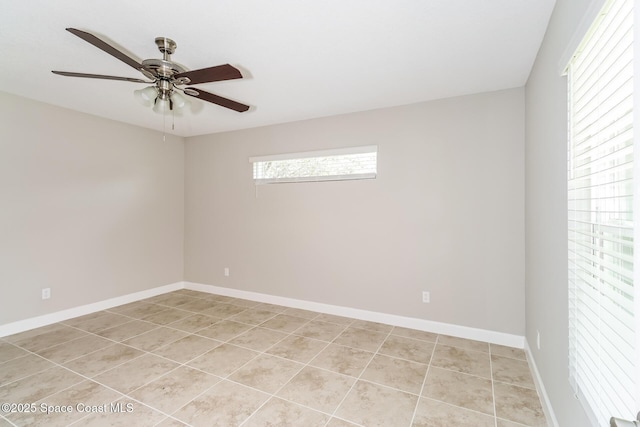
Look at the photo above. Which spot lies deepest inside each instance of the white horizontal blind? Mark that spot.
(326, 165)
(602, 317)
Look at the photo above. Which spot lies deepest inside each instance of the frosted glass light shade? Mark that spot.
(178, 100)
(146, 96)
(161, 106)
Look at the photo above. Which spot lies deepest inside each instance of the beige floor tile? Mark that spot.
(462, 360)
(463, 343)
(22, 367)
(123, 413)
(73, 349)
(33, 333)
(175, 389)
(253, 316)
(337, 422)
(360, 338)
(105, 321)
(414, 333)
(127, 330)
(317, 389)
(431, 413)
(60, 334)
(102, 360)
(187, 348)
(505, 423)
(332, 318)
(86, 393)
(138, 310)
(372, 326)
(224, 310)
(271, 307)
(266, 373)
(518, 404)
(155, 338)
(192, 293)
(239, 403)
(170, 300)
(4, 422)
(194, 323)
(10, 351)
(82, 319)
(135, 373)
(223, 360)
(284, 323)
(299, 349)
(343, 360)
(318, 330)
(514, 353)
(197, 305)
(221, 298)
(512, 371)
(259, 339)
(298, 312)
(374, 405)
(407, 348)
(467, 391)
(396, 373)
(224, 330)
(277, 412)
(241, 302)
(170, 422)
(39, 385)
(167, 316)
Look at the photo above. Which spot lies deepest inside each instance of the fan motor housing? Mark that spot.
(162, 68)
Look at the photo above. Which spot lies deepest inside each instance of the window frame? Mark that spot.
(257, 161)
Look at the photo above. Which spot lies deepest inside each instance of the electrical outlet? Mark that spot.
(226, 271)
(538, 339)
(426, 297)
(46, 293)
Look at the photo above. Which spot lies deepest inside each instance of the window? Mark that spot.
(603, 299)
(326, 165)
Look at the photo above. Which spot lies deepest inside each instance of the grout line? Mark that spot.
(360, 375)
(294, 375)
(424, 380)
(493, 390)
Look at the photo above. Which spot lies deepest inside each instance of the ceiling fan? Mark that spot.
(165, 76)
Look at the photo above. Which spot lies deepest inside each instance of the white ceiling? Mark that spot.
(300, 58)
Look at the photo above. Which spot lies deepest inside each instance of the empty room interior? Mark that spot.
(294, 213)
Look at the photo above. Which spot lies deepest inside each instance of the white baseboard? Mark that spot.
(544, 397)
(59, 316)
(390, 319)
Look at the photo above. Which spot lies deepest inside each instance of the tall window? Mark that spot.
(603, 319)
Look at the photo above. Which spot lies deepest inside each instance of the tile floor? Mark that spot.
(191, 358)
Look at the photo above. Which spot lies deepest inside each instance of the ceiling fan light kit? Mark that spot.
(165, 77)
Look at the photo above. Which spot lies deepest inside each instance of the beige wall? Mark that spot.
(546, 212)
(91, 208)
(446, 213)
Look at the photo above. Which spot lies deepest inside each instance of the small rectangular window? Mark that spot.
(325, 165)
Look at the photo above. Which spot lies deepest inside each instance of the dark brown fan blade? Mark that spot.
(99, 76)
(90, 38)
(211, 74)
(219, 100)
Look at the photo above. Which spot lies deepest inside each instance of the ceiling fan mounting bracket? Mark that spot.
(166, 46)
